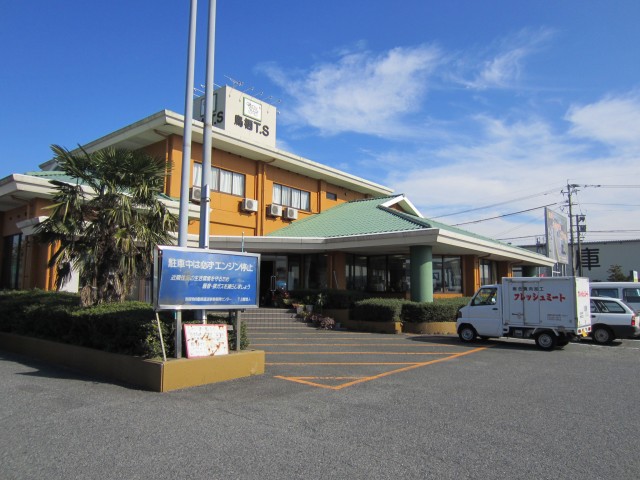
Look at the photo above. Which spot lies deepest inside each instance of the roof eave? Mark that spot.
(160, 125)
(444, 243)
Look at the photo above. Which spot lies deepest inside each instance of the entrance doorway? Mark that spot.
(273, 278)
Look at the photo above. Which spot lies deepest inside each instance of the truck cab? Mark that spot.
(484, 312)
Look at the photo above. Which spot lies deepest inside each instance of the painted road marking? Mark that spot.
(329, 382)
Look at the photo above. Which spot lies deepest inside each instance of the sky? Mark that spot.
(481, 112)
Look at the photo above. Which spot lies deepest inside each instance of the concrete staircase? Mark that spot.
(258, 319)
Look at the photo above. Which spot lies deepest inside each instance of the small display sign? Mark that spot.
(206, 340)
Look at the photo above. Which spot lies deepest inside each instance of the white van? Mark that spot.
(628, 292)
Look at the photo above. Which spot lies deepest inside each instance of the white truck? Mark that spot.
(550, 310)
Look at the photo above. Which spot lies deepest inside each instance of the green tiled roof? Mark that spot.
(362, 217)
(359, 217)
(53, 175)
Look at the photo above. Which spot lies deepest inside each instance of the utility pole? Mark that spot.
(579, 230)
(570, 188)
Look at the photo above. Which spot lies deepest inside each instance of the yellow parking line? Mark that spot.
(408, 367)
(418, 345)
(339, 363)
(361, 353)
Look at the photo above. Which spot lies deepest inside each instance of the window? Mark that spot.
(485, 296)
(399, 274)
(11, 261)
(291, 197)
(604, 292)
(607, 306)
(447, 274)
(631, 295)
(356, 273)
(332, 196)
(221, 180)
(488, 272)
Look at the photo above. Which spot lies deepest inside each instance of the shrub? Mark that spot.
(128, 328)
(378, 310)
(440, 310)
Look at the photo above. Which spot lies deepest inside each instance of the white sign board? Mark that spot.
(240, 115)
(206, 340)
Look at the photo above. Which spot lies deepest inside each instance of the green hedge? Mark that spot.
(127, 328)
(441, 310)
(378, 310)
(395, 310)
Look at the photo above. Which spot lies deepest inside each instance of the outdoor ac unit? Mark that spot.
(195, 194)
(274, 210)
(290, 213)
(249, 205)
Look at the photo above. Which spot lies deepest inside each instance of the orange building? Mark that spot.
(281, 205)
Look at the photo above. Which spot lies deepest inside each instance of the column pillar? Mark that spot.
(421, 273)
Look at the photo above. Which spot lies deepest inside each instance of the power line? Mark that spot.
(496, 204)
(505, 215)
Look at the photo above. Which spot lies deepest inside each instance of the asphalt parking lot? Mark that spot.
(339, 405)
(337, 360)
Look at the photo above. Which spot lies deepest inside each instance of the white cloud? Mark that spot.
(503, 62)
(517, 166)
(613, 120)
(361, 92)
(514, 160)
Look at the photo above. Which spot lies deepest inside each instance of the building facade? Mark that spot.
(315, 226)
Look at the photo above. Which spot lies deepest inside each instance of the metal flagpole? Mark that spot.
(207, 138)
(183, 218)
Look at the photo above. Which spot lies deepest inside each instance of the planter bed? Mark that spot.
(148, 374)
(439, 328)
(373, 327)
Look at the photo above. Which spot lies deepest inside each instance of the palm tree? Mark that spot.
(106, 224)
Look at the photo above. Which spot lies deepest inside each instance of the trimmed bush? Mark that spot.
(128, 328)
(378, 310)
(441, 310)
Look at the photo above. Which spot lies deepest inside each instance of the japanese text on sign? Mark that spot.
(539, 297)
(209, 279)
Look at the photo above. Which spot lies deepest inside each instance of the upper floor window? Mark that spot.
(221, 180)
(291, 197)
(332, 196)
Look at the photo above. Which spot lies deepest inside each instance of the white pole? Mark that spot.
(183, 218)
(207, 146)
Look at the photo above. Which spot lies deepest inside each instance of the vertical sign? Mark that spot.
(557, 236)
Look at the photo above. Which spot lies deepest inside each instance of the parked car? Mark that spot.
(628, 292)
(611, 318)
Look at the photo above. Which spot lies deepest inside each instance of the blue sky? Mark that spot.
(458, 104)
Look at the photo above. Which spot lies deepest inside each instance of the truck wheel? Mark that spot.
(546, 341)
(602, 335)
(467, 333)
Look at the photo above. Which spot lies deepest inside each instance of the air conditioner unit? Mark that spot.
(195, 194)
(274, 210)
(290, 213)
(249, 205)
